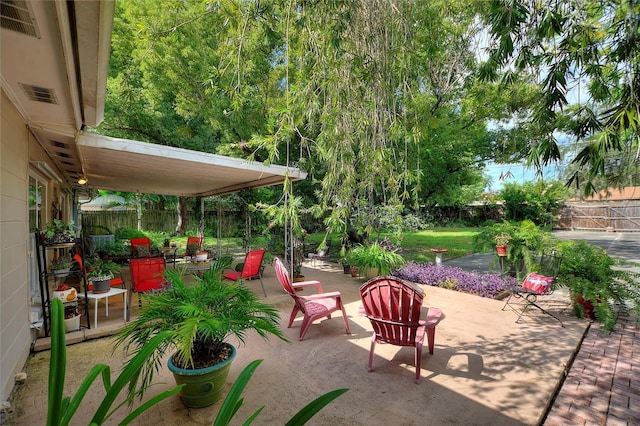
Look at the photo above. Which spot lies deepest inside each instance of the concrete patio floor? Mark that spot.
(486, 369)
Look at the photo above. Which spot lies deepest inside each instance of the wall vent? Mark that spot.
(39, 94)
(16, 15)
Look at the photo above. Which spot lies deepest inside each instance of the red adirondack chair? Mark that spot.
(394, 308)
(314, 306)
(252, 268)
(147, 275)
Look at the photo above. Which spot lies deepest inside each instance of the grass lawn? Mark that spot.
(415, 245)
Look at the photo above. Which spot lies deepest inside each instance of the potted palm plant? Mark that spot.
(101, 274)
(373, 259)
(197, 321)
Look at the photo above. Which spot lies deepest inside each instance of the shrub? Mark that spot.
(525, 242)
(128, 233)
(589, 271)
(375, 256)
(414, 223)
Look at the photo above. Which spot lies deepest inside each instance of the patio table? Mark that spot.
(98, 296)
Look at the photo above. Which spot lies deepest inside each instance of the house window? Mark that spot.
(37, 199)
(37, 195)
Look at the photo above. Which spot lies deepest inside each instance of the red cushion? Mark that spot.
(233, 276)
(537, 283)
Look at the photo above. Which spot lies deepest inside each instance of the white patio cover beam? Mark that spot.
(133, 166)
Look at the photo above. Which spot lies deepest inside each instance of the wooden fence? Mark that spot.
(621, 216)
(101, 222)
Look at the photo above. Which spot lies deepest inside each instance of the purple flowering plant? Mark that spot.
(454, 278)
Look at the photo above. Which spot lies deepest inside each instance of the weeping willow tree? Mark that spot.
(364, 94)
(363, 83)
(359, 81)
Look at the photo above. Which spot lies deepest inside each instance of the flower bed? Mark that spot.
(454, 278)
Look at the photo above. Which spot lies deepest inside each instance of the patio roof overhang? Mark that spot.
(55, 59)
(133, 166)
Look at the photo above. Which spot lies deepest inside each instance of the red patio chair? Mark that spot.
(252, 268)
(314, 306)
(147, 275)
(141, 247)
(394, 308)
(194, 245)
(195, 240)
(535, 284)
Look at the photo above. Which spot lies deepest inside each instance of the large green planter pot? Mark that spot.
(370, 273)
(203, 386)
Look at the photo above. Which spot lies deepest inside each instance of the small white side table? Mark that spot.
(105, 296)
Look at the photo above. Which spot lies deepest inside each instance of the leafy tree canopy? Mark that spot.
(379, 100)
(583, 49)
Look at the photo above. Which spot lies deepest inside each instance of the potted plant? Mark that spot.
(525, 241)
(59, 232)
(501, 241)
(373, 259)
(197, 321)
(597, 288)
(61, 265)
(354, 271)
(346, 267)
(101, 274)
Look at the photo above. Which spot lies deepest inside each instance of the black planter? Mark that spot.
(101, 286)
(346, 268)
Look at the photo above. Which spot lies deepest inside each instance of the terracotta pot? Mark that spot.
(355, 272)
(502, 250)
(587, 306)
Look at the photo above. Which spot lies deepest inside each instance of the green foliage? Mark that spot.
(56, 226)
(103, 269)
(588, 270)
(525, 241)
(374, 256)
(116, 248)
(58, 232)
(62, 262)
(313, 85)
(60, 410)
(562, 44)
(197, 319)
(232, 402)
(128, 233)
(534, 201)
